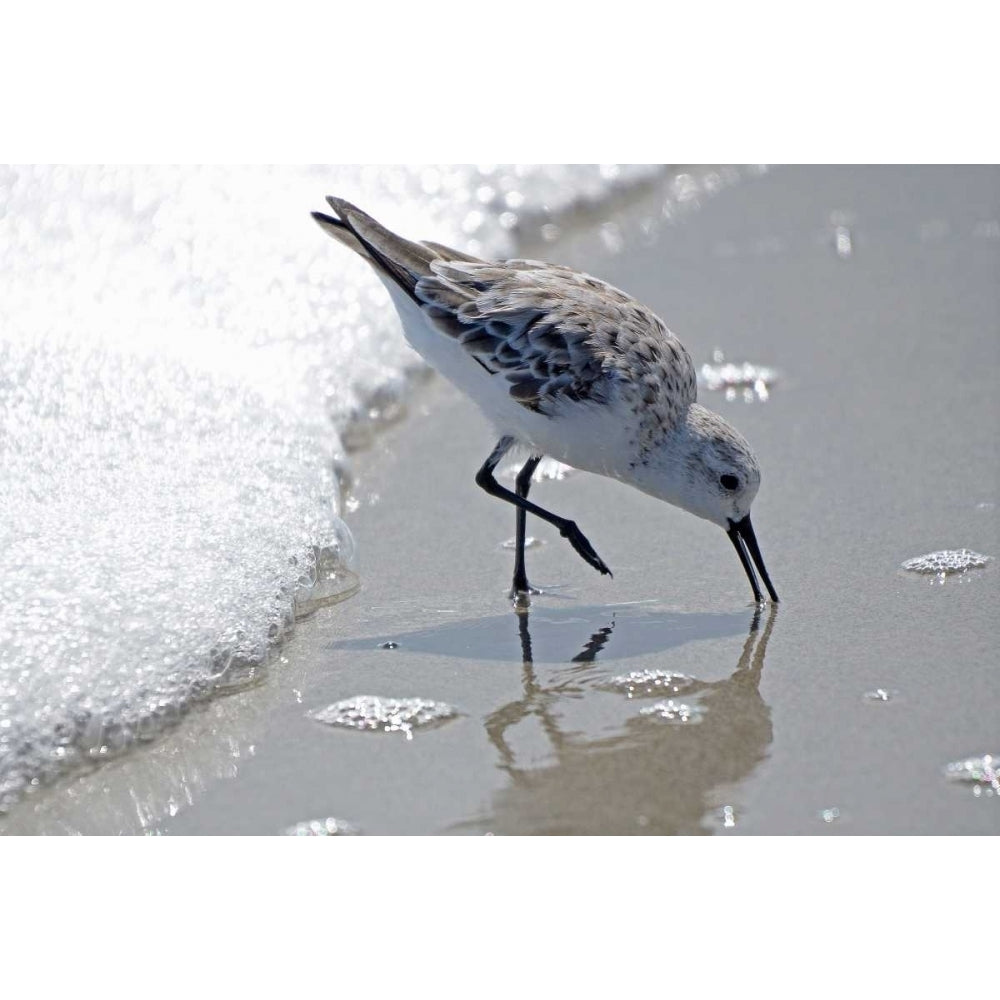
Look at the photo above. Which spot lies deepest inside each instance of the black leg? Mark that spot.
(521, 486)
(568, 529)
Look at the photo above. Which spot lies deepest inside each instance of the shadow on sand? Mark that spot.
(560, 635)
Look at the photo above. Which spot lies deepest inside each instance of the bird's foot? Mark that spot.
(522, 592)
(578, 540)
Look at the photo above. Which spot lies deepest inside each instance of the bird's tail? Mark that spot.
(404, 261)
(341, 233)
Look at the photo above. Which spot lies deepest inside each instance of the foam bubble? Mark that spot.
(946, 562)
(744, 380)
(530, 542)
(649, 683)
(675, 712)
(981, 772)
(389, 715)
(329, 827)
(879, 696)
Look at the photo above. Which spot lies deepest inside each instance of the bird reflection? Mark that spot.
(648, 776)
(589, 652)
(596, 643)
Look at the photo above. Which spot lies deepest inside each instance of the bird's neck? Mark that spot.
(670, 467)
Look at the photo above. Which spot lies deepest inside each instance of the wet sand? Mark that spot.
(878, 443)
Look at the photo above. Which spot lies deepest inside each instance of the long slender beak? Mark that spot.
(742, 536)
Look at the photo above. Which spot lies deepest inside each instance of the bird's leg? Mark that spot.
(521, 486)
(568, 529)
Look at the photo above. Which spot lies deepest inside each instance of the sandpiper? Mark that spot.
(568, 366)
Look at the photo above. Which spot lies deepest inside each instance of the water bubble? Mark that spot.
(389, 715)
(530, 542)
(331, 575)
(240, 673)
(675, 712)
(830, 815)
(329, 827)
(749, 380)
(879, 695)
(842, 242)
(981, 772)
(650, 683)
(728, 817)
(946, 562)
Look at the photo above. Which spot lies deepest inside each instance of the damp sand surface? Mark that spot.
(872, 293)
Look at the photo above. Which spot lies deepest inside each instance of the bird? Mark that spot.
(566, 365)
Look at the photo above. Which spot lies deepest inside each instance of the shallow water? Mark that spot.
(877, 443)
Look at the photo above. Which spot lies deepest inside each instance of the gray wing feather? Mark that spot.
(449, 253)
(556, 334)
(553, 333)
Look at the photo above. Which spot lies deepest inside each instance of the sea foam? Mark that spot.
(184, 358)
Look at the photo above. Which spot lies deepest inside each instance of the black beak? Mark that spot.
(742, 536)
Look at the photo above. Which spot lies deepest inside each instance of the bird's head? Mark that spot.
(706, 467)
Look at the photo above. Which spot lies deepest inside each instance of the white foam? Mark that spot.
(651, 682)
(386, 715)
(181, 352)
(946, 562)
(330, 826)
(675, 712)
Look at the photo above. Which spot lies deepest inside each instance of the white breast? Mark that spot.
(590, 436)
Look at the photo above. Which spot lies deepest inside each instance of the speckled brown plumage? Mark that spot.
(556, 334)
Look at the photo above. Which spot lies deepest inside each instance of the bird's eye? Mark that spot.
(729, 482)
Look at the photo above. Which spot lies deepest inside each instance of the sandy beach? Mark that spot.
(874, 293)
